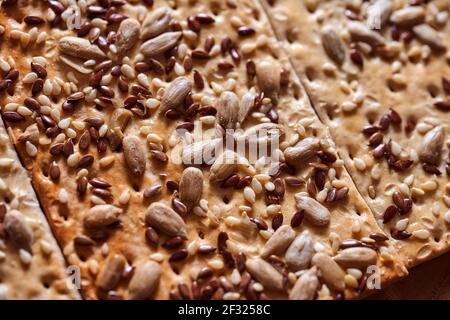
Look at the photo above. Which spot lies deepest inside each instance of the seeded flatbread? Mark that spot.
(435, 287)
(355, 82)
(31, 264)
(140, 225)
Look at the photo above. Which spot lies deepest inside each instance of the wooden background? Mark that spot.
(427, 281)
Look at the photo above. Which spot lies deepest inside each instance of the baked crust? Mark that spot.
(39, 273)
(122, 247)
(406, 76)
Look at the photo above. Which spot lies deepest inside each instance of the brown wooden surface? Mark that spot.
(430, 280)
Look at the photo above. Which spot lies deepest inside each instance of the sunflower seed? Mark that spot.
(268, 75)
(315, 213)
(156, 23)
(228, 109)
(299, 254)
(110, 274)
(360, 32)
(331, 273)
(267, 275)
(134, 155)
(429, 36)
(18, 232)
(357, 257)
(333, 45)
(380, 11)
(191, 187)
(144, 281)
(175, 94)
(165, 219)
(431, 146)
(306, 286)
(408, 16)
(127, 35)
(247, 103)
(101, 216)
(224, 166)
(160, 44)
(302, 152)
(80, 48)
(279, 241)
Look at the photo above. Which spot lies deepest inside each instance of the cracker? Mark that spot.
(33, 268)
(121, 201)
(407, 75)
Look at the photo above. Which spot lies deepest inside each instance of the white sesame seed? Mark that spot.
(231, 296)
(447, 217)
(60, 138)
(31, 149)
(63, 196)
(73, 159)
(55, 114)
(107, 161)
(216, 264)
(208, 120)
(78, 125)
(152, 103)
(235, 277)
(232, 221)
(351, 281)
(447, 201)
(429, 185)
(404, 189)
(179, 69)
(356, 226)
(11, 106)
(71, 133)
(127, 71)
(143, 80)
(258, 287)
(153, 137)
(64, 123)
(356, 273)
(82, 173)
(97, 200)
(106, 79)
(44, 100)
(4, 66)
(6, 163)
(421, 234)
(349, 106)
(103, 130)
(376, 172)
(24, 111)
(256, 186)
(30, 78)
(48, 87)
(158, 257)
(125, 197)
(25, 257)
(249, 195)
(359, 164)
(46, 247)
(273, 209)
(402, 224)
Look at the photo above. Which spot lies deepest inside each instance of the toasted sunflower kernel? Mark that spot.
(351, 281)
